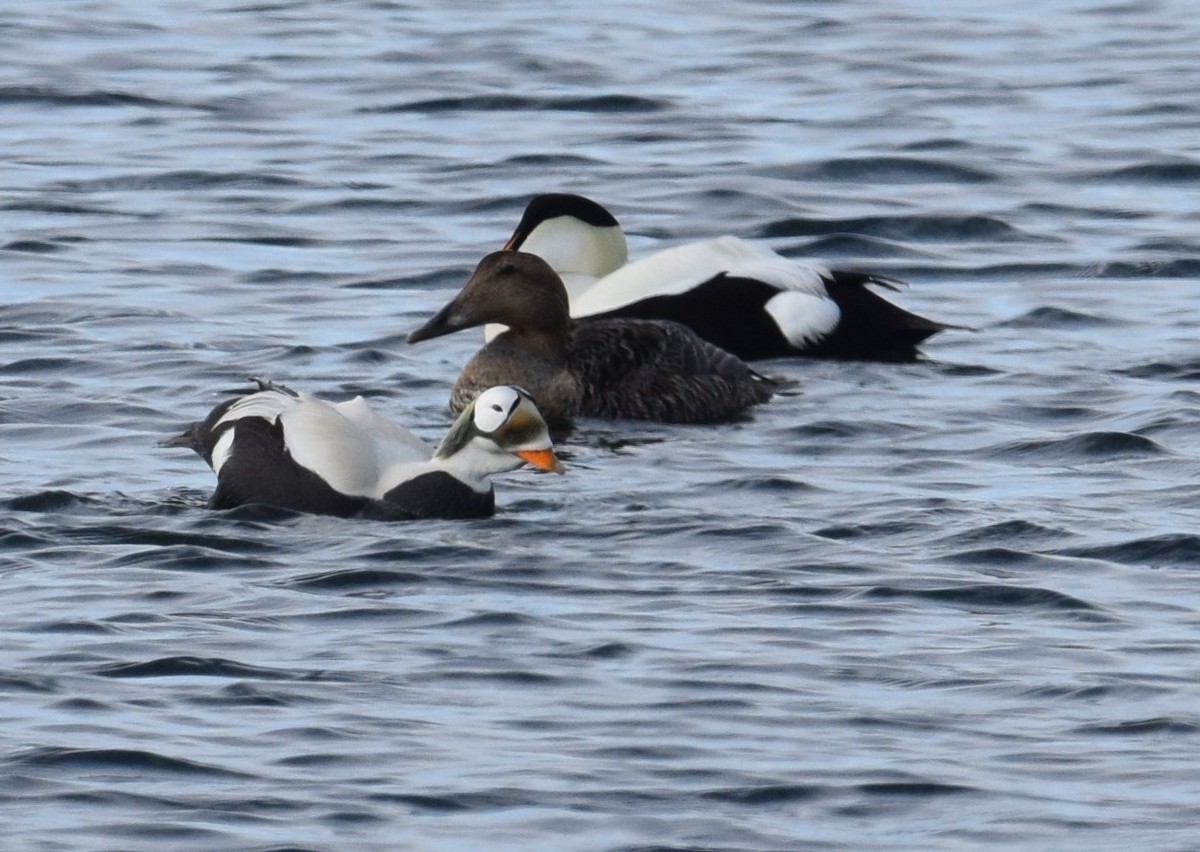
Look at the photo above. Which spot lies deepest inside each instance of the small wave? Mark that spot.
(49, 336)
(1004, 272)
(1165, 173)
(48, 96)
(1007, 557)
(1141, 727)
(182, 179)
(27, 366)
(46, 502)
(434, 279)
(964, 371)
(1185, 369)
(189, 559)
(205, 543)
(746, 532)
(1051, 316)
(550, 160)
(1008, 532)
(1186, 267)
(843, 430)
(852, 245)
(453, 802)
(276, 241)
(1175, 549)
(275, 276)
(608, 651)
(924, 789)
(77, 626)
(491, 619)
(119, 759)
(354, 579)
(903, 228)
(528, 103)
(886, 170)
(357, 203)
(766, 794)
(766, 483)
(195, 667)
(850, 532)
(511, 677)
(32, 247)
(1088, 446)
(989, 596)
(26, 683)
(1051, 413)
(1082, 693)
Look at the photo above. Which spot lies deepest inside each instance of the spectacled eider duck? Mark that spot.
(735, 294)
(289, 450)
(616, 368)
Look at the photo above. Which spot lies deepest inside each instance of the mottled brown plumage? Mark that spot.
(615, 368)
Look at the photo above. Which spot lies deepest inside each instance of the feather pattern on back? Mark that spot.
(656, 370)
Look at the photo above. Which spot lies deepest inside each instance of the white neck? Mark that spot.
(475, 462)
(576, 249)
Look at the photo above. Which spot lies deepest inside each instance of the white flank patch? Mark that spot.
(492, 408)
(220, 453)
(802, 317)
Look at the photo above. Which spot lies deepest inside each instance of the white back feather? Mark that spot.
(677, 270)
(348, 445)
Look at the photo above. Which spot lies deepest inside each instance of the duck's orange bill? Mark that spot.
(542, 460)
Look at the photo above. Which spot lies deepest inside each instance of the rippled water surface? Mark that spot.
(943, 605)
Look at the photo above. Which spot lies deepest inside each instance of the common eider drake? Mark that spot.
(736, 294)
(289, 450)
(615, 368)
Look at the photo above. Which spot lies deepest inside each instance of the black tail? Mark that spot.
(873, 328)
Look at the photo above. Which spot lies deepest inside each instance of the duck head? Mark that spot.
(575, 235)
(501, 430)
(510, 287)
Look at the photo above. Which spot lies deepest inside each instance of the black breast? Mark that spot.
(433, 495)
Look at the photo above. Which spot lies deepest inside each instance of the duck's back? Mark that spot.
(658, 370)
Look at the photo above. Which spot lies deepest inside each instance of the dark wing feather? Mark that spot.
(871, 326)
(728, 311)
(725, 310)
(656, 370)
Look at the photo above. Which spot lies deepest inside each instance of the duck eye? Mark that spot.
(496, 407)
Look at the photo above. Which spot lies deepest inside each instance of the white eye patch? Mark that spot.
(493, 407)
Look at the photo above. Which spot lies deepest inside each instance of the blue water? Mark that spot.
(946, 605)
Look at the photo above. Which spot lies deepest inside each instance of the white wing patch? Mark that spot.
(267, 404)
(348, 445)
(676, 270)
(803, 317)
